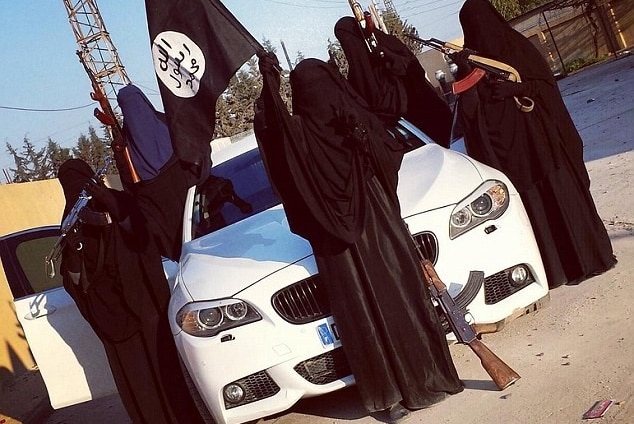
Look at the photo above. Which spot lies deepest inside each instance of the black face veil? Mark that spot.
(318, 169)
(488, 33)
(394, 84)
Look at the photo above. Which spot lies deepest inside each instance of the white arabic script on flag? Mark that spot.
(179, 63)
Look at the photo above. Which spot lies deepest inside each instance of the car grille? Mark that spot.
(498, 286)
(325, 368)
(256, 387)
(428, 245)
(302, 302)
(307, 300)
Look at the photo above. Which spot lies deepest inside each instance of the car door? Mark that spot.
(70, 357)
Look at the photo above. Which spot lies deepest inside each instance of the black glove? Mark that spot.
(461, 59)
(74, 239)
(105, 200)
(269, 67)
(268, 62)
(348, 125)
(503, 89)
(74, 246)
(394, 63)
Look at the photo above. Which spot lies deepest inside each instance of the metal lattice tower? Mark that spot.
(96, 50)
(389, 7)
(388, 14)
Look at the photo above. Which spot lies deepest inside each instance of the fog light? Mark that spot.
(519, 275)
(233, 393)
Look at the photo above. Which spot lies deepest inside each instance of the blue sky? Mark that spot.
(41, 70)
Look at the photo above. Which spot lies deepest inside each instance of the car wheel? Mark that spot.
(198, 400)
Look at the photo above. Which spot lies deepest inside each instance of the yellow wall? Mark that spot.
(24, 205)
(28, 205)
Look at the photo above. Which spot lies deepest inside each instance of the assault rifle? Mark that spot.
(366, 25)
(501, 374)
(71, 220)
(106, 116)
(482, 66)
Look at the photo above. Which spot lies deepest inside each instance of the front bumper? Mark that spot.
(279, 363)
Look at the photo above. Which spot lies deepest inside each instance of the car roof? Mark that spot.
(236, 148)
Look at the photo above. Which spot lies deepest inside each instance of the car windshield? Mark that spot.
(240, 187)
(235, 190)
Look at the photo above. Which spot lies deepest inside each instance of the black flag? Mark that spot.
(197, 46)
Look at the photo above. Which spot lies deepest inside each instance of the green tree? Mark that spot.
(337, 57)
(513, 8)
(528, 5)
(92, 149)
(235, 107)
(401, 29)
(56, 156)
(30, 163)
(508, 8)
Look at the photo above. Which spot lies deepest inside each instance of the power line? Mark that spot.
(304, 6)
(25, 109)
(436, 8)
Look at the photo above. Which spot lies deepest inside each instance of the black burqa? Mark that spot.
(540, 151)
(165, 178)
(335, 170)
(394, 84)
(122, 293)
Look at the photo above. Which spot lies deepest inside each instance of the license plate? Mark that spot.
(327, 333)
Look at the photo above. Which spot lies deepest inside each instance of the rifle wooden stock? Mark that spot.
(501, 374)
(500, 70)
(107, 117)
(366, 25)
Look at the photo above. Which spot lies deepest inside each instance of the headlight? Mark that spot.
(207, 319)
(488, 202)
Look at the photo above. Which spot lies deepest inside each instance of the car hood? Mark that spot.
(227, 261)
(223, 263)
(432, 177)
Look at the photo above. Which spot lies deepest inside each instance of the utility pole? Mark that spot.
(7, 176)
(288, 59)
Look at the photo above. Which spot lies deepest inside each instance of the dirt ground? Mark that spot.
(570, 354)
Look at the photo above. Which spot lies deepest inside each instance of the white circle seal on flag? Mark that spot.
(178, 62)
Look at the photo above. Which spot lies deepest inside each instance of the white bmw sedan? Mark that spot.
(248, 311)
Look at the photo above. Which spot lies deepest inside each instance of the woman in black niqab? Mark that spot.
(115, 276)
(540, 151)
(165, 178)
(393, 82)
(335, 169)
